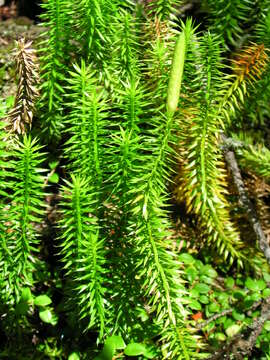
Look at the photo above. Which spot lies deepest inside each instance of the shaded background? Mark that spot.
(28, 8)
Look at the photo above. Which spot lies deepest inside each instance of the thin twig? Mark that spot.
(245, 201)
(214, 317)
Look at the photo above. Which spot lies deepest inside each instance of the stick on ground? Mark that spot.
(244, 199)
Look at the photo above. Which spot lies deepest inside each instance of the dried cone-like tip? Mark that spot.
(21, 115)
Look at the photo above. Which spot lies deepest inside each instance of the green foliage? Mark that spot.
(126, 47)
(203, 180)
(91, 26)
(130, 98)
(227, 19)
(257, 159)
(263, 24)
(114, 343)
(83, 252)
(24, 202)
(163, 9)
(4, 170)
(85, 124)
(54, 58)
(257, 108)
(242, 98)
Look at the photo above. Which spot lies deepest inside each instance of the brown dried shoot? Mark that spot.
(21, 115)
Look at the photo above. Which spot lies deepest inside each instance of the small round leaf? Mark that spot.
(209, 271)
(74, 356)
(116, 341)
(233, 330)
(186, 258)
(135, 349)
(238, 316)
(214, 307)
(204, 299)
(48, 317)
(220, 336)
(195, 305)
(266, 325)
(266, 292)
(266, 277)
(42, 300)
(26, 295)
(255, 285)
(202, 288)
(192, 273)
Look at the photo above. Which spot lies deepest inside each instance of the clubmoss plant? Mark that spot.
(135, 100)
